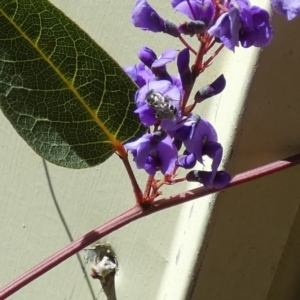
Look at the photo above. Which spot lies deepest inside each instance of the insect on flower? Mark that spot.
(161, 105)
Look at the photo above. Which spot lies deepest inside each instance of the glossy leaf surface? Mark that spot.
(68, 99)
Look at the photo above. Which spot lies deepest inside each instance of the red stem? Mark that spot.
(199, 59)
(136, 189)
(208, 61)
(183, 41)
(195, 72)
(148, 187)
(135, 213)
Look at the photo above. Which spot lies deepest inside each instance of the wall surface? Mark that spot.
(205, 249)
(252, 243)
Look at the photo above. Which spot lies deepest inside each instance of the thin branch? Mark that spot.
(148, 186)
(208, 61)
(74, 247)
(135, 213)
(136, 188)
(184, 42)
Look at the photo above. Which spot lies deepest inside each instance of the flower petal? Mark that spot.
(204, 133)
(151, 165)
(146, 18)
(201, 10)
(227, 28)
(133, 71)
(146, 115)
(211, 90)
(166, 57)
(256, 29)
(184, 70)
(187, 161)
(140, 149)
(289, 8)
(147, 56)
(167, 154)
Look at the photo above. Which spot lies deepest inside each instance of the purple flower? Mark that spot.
(146, 18)
(289, 8)
(186, 129)
(147, 56)
(151, 68)
(197, 10)
(166, 57)
(154, 152)
(200, 139)
(146, 115)
(227, 27)
(203, 133)
(249, 25)
(158, 66)
(139, 74)
(187, 161)
(256, 29)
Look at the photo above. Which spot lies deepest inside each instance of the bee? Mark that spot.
(161, 105)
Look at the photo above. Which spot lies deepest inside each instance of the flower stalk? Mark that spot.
(134, 213)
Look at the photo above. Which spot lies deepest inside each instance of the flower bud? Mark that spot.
(147, 56)
(187, 161)
(211, 90)
(191, 28)
(171, 29)
(185, 73)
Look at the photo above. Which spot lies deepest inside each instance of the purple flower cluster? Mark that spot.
(231, 22)
(244, 24)
(181, 138)
(158, 103)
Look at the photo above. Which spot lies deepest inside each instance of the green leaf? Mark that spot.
(67, 98)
